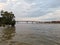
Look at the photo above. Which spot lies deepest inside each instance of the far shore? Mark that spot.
(41, 22)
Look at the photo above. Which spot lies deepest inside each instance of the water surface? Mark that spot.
(30, 34)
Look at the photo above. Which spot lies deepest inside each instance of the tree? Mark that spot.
(8, 18)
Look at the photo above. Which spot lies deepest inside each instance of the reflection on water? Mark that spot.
(30, 34)
(7, 33)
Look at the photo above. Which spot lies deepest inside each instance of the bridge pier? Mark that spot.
(29, 22)
(32, 22)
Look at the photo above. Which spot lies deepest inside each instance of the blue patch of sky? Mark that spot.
(45, 7)
(3, 1)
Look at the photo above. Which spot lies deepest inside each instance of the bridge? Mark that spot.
(37, 22)
(28, 22)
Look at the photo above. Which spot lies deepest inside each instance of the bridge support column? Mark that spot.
(27, 22)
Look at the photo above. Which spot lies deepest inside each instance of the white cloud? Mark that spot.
(2, 5)
(33, 9)
(14, 0)
(48, 17)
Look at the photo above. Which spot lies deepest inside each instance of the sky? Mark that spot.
(36, 10)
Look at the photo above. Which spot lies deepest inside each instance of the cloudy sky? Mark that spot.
(41, 10)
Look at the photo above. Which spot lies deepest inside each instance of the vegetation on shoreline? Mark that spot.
(7, 18)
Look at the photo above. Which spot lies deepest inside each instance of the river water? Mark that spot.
(30, 34)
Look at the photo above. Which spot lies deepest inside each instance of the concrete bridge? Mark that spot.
(28, 22)
(37, 22)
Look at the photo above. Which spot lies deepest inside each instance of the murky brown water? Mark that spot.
(30, 34)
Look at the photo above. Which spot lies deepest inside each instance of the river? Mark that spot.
(30, 34)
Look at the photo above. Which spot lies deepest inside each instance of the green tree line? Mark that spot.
(7, 18)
